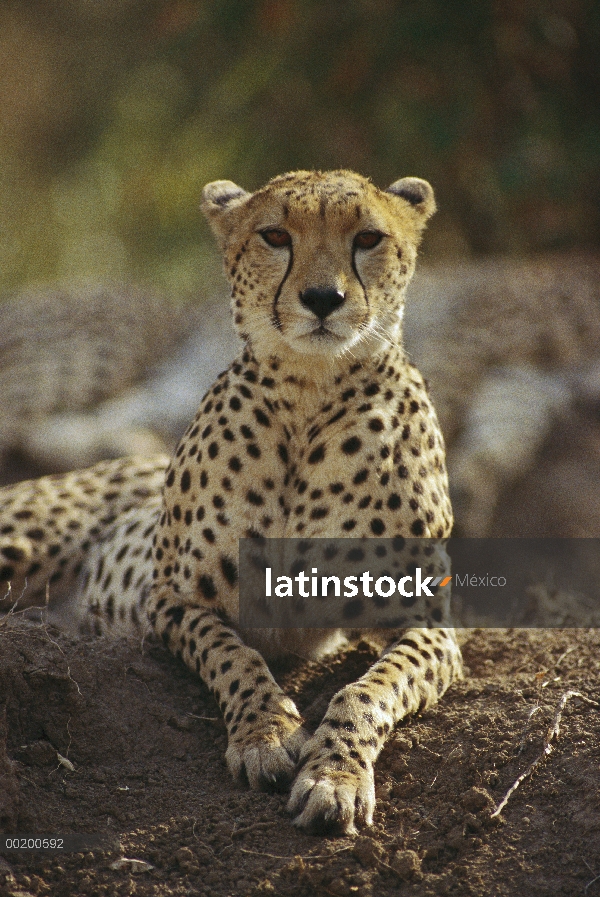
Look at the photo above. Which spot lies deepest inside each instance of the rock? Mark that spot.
(187, 860)
(407, 865)
(367, 851)
(476, 799)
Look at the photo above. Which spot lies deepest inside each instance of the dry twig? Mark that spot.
(551, 735)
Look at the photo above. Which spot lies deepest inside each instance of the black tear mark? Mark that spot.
(357, 275)
(275, 316)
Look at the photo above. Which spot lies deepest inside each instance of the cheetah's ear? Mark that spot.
(219, 199)
(416, 192)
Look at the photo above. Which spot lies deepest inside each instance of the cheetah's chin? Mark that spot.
(324, 340)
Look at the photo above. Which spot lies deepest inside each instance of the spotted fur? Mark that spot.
(63, 351)
(321, 427)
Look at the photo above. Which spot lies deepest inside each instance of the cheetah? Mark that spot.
(64, 350)
(320, 428)
(511, 349)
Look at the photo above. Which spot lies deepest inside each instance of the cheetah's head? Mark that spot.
(319, 262)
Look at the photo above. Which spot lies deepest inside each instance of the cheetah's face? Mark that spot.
(319, 262)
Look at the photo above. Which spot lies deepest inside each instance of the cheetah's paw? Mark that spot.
(329, 800)
(266, 760)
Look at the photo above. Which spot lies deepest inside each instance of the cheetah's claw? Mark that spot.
(267, 763)
(326, 800)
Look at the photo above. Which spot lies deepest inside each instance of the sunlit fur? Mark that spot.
(322, 212)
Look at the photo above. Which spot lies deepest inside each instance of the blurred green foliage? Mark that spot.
(115, 114)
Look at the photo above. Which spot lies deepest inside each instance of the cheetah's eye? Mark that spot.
(367, 239)
(276, 236)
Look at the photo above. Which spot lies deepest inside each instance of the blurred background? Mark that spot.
(115, 113)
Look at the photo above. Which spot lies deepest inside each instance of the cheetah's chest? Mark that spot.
(368, 461)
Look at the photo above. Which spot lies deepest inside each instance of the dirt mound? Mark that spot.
(124, 743)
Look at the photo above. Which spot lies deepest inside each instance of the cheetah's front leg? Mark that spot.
(264, 728)
(335, 785)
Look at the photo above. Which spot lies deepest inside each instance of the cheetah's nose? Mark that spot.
(321, 301)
